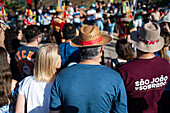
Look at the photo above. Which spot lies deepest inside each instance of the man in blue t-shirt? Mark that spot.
(88, 87)
(25, 55)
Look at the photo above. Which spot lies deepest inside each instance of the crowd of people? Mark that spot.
(69, 74)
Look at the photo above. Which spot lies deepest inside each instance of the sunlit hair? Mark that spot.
(124, 49)
(163, 53)
(47, 58)
(5, 78)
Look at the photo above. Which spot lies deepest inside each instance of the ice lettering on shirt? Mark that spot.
(25, 62)
(158, 82)
(24, 55)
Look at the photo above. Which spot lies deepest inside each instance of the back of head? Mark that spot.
(124, 49)
(90, 52)
(69, 31)
(97, 10)
(11, 41)
(47, 60)
(5, 78)
(31, 32)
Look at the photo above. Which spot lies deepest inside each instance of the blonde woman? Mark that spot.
(34, 91)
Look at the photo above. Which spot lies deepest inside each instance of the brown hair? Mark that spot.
(5, 79)
(124, 49)
(163, 53)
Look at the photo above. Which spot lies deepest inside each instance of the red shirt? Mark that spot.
(58, 24)
(145, 81)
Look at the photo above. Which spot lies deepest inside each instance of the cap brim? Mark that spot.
(75, 42)
(146, 48)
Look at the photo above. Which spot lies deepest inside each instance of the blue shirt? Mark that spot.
(85, 88)
(76, 20)
(68, 54)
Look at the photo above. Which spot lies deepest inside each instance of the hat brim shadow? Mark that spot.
(105, 40)
(146, 48)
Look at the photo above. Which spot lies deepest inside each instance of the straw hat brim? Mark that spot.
(105, 40)
(146, 48)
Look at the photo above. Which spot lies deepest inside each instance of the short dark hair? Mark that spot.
(31, 32)
(69, 31)
(97, 10)
(59, 13)
(124, 49)
(89, 52)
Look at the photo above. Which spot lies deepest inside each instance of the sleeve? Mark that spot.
(23, 85)
(55, 102)
(120, 101)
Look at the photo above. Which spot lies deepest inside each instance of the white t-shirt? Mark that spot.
(37, 94)
(89, 12)
(98, 15)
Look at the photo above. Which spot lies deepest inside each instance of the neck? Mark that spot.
(32, 44)
(2, 44)
(94, 61)
(142, 55)
(68, 40)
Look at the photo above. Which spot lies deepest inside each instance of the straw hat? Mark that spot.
(90, 36)
(148, 39)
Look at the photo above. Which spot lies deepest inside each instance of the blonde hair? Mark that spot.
(47, 59)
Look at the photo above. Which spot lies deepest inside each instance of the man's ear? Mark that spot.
(101, 49)
(101, 52)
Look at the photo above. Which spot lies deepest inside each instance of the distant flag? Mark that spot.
(59, 5)
(29, 2)
(3, 11)
(1, 1)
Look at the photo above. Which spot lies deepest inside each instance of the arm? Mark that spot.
(108, 19)
(120, 101)
(55, 101)
(20, 106)
(13, 84)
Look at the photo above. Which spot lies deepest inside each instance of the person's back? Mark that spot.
(34, 91)
(25, 55)
(88, 87)
(145, 77)
(68, 53)
(145, 81)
